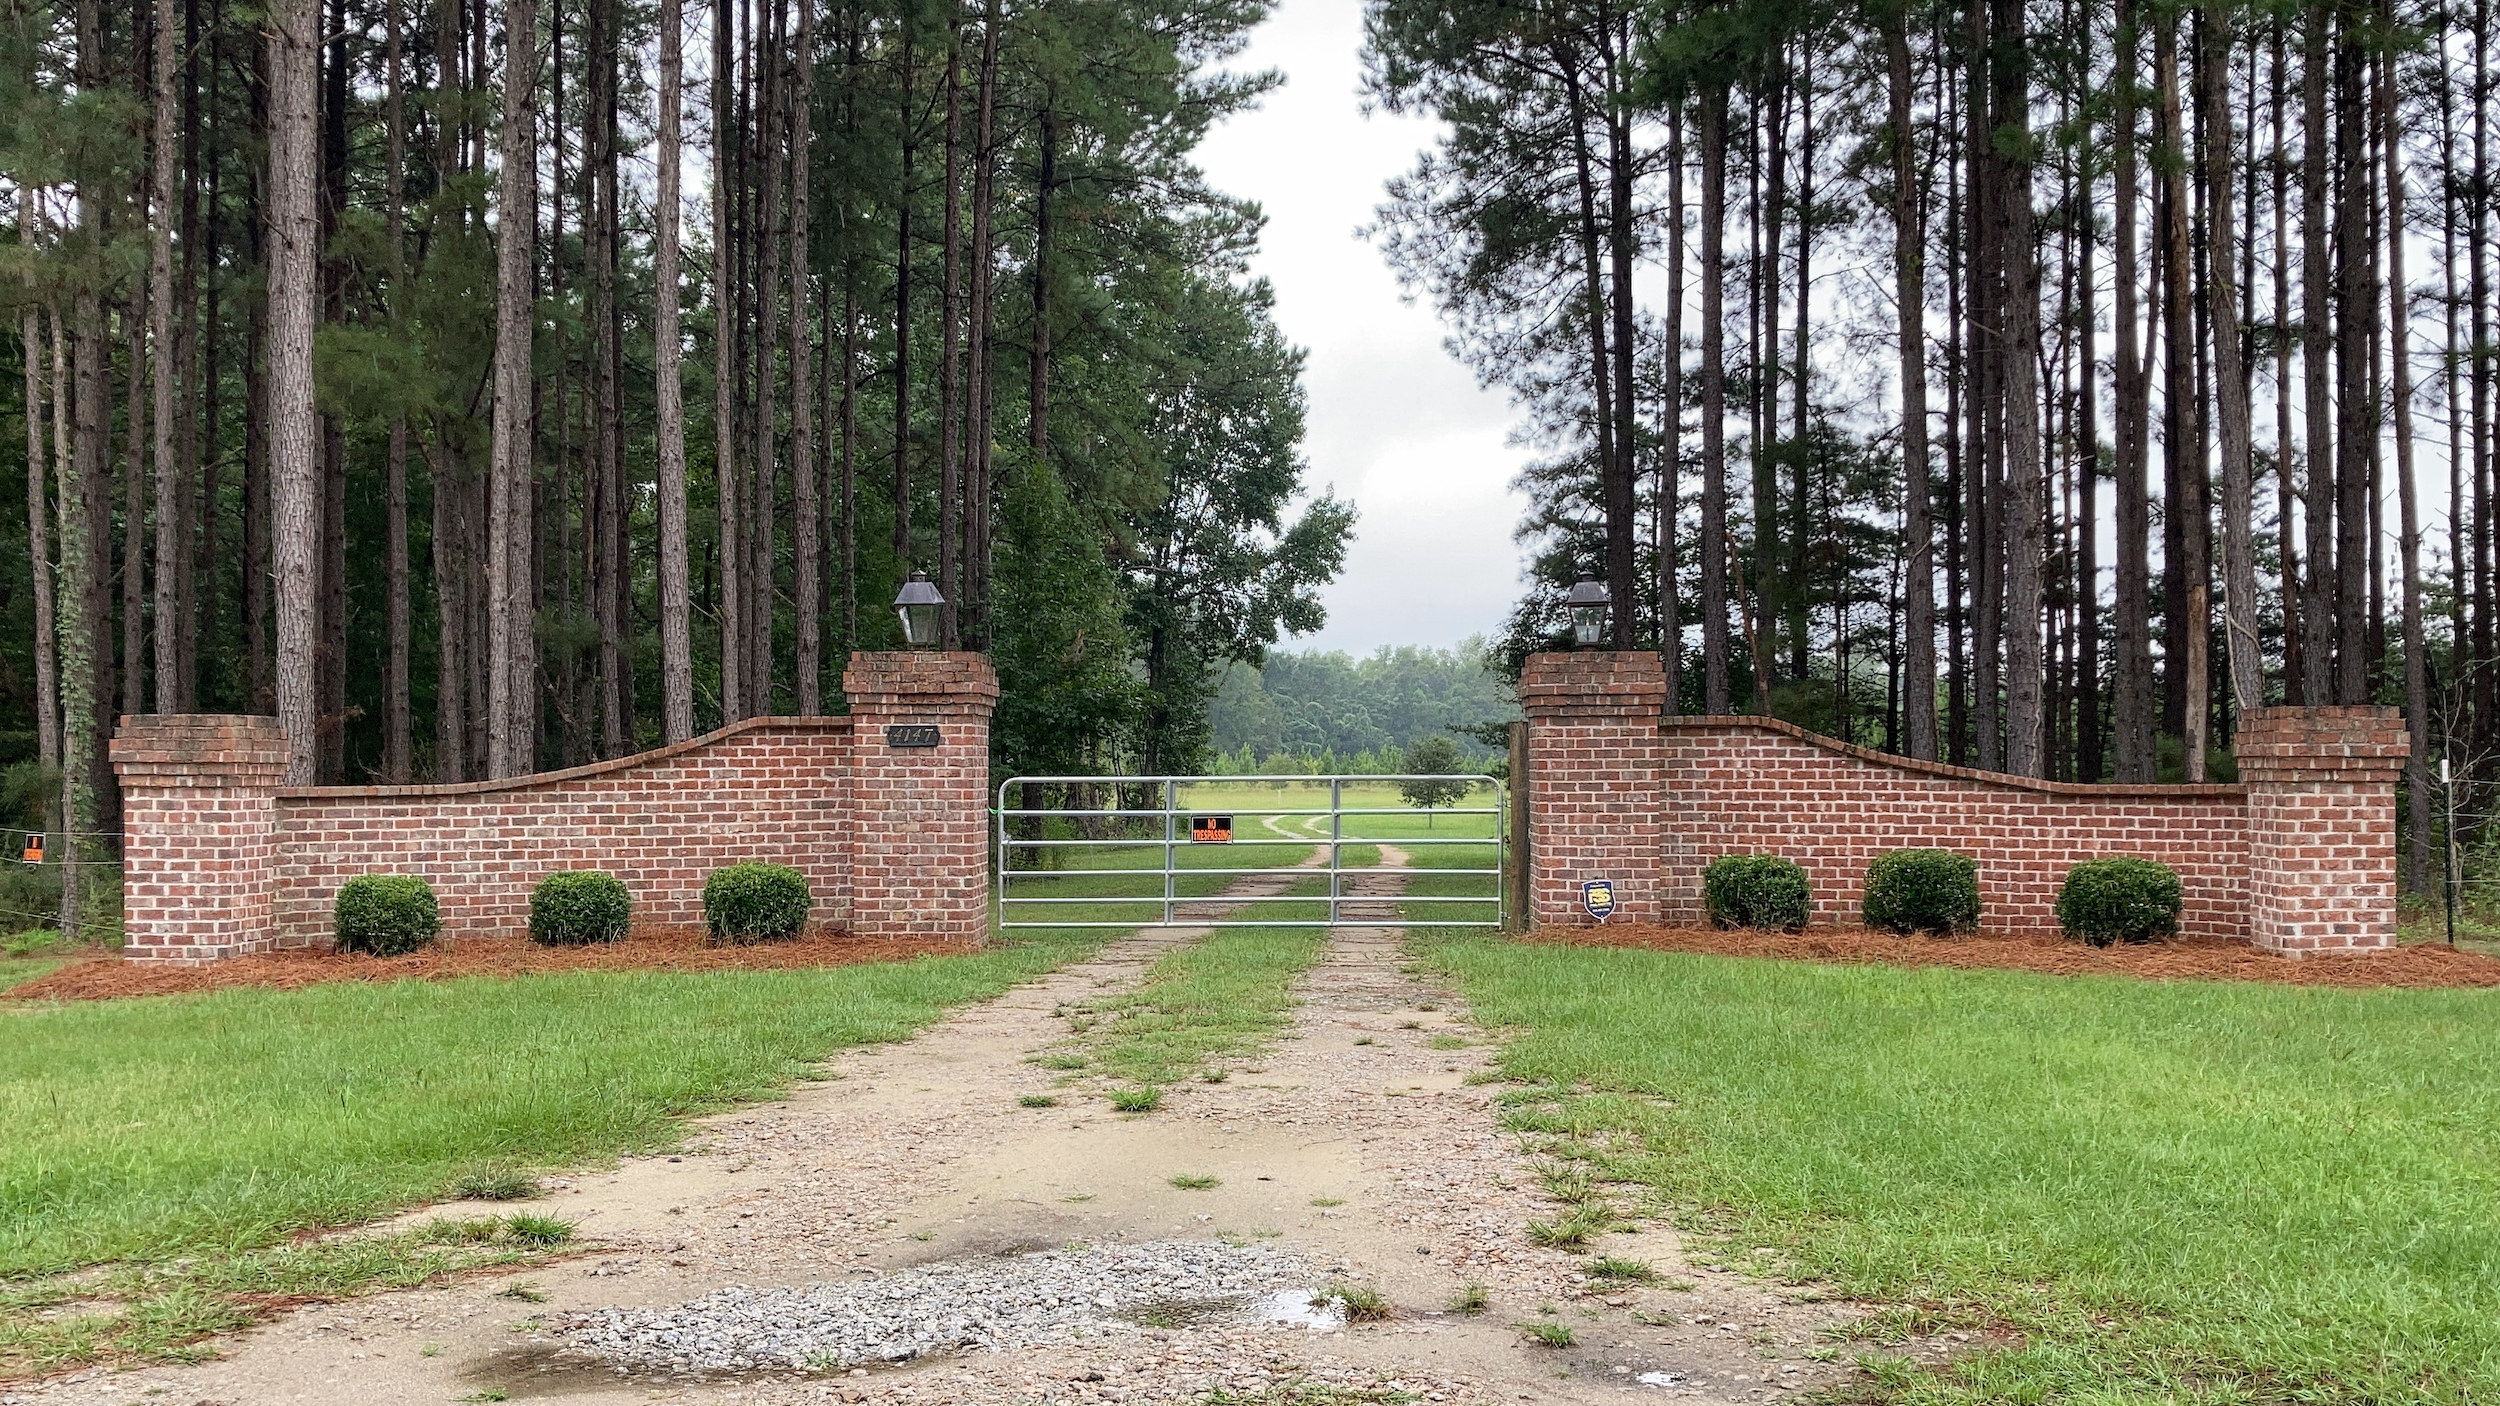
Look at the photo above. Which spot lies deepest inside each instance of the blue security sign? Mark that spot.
(1598, 896)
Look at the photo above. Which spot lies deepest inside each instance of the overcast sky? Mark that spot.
(1396, 425)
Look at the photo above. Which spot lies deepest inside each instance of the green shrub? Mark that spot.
(385, 914)
(1922, 890)
(1755, 891)
(756, 902)
(580, 906)
(2119, 900)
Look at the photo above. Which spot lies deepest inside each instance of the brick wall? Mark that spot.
(1759, 785)
(2322, 805)
(220, 859)
(772, 789)
(2299, 858)
(1594, 760)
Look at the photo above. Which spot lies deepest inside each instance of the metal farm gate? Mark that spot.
(1252, 851)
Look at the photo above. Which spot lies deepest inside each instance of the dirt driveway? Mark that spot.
(1356, 1145)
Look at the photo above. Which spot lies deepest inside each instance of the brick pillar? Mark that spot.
(920, 814)
(199, 821)
(1596, 763)
(2322, 826)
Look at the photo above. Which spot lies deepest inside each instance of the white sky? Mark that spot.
(1396, 425)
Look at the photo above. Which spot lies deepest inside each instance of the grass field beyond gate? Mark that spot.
(2182, 1191)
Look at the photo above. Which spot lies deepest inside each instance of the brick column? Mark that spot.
(2322, 826)
(1596, 764)
(199, 821)
(920, 814)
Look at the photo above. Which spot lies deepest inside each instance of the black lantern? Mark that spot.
(916, 605)
(1588, 601)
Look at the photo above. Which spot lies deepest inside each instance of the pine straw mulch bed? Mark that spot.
(2187, 959)
(109, 977)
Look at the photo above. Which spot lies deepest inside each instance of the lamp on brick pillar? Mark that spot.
(2321, 826)
(199, 822)
(1596, 763)
(920, 791)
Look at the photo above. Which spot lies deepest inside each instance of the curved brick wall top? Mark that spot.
(1743, 785)
(772, 788)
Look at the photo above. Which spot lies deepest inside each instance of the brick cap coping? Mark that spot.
(2180, 791)
(840, 723)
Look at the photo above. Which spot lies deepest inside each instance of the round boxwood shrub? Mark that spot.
(2119, 900)
(1755, 891)
(755, 902)
(584, 905)
(1922, 890)
(385, 914)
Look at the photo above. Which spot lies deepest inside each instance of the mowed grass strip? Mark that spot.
(146, 1129)
(1226, 994)
(2174, 1191)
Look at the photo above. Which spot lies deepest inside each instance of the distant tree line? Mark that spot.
(1329, 711)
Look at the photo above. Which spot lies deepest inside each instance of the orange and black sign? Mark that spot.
(1210, 829)
(30, 847)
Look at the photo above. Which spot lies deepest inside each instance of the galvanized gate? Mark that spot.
(1251, 851)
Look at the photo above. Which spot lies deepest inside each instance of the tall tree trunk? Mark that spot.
(512, 672)
(611, 581)
(1671, 423)
(806, 592)
(398, 740)
(772, 255)
(1613, 483)
(294, 471)
(134, 674)
(2408, 509)
(950, 343)
(330, 649)
(2183, 462)
(2286, 482)
(1045, 251)
(676, 624)
(1909, 248)
(2356, 278)
(38, 508)
(169, 479)
(2239, 545)
(902, 308)
(1622, 242)
(731, 609)
(1714, 401)
(2317, 341)
(981, 353)
(2025, 486)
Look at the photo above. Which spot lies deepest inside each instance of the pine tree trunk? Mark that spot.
(2131, 679)
(807, 592)
(772, 254)
(77, 623)
(1671, 424)
(2026, 505)
(2239, 545)
(1622, 241)
(398, 741)
(610, 578)
(1037, 391)
(676, 624)
(294, 469)
(2286, 483)
(1918, 684)
(512, 694)
(2356, 298)
(902, 309)
(1601, 376)
(2317, 341)
(950, 344)
(2408, 509)
(981, 344)
(134, 638)
(1714, 401)
(38, 509)
(169, 480)
(731, 607)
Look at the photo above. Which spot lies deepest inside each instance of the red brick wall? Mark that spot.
(1758, 785)
(1594, 760)
(894, 839)
(772, 789)
(922, 813)
(199, 824)
(2322, 801)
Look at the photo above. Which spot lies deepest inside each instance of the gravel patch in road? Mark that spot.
(1026, 1300)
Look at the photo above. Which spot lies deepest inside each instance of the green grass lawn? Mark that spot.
(150, 1128)
(2216, 1192)
(17, 971)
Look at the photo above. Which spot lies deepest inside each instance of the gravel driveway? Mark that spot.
(907, 1231)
